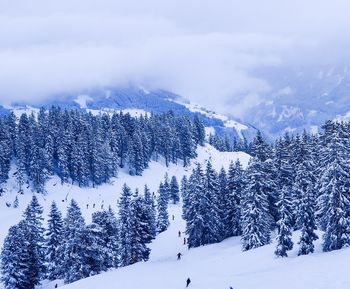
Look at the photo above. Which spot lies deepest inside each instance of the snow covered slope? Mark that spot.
(223, 265)
(209, 267)
(108, 194)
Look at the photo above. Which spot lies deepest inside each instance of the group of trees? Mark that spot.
(224, 143)
(70, 249)
(300, 182)
(87, 149)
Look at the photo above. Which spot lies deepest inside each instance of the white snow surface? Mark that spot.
(223, 265)
(209, 267)
(28, 110)
(107, 194)
(211, 114)
(134, 112)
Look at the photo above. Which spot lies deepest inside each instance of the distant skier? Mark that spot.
(173, 217)
(102, 207)
(184, 241)
(188, 281)
(93, 206)
(56, 285)
(87, 206)
(179, 234)
(179, 256)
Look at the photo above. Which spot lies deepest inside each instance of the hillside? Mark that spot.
(108, 194)
(223, 265)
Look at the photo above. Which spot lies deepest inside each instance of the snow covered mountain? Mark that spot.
(137, 100)
(301, 98)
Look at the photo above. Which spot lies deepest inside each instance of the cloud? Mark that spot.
(203, 50)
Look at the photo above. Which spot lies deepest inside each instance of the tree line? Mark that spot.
(300, 182)
(70, 249)
(87, 150)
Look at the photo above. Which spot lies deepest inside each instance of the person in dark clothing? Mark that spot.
(56, 286)
(87, 206)
(184, 241)
(179, 234)
(173, 217)
(179, 256)
(93, 206)
(188, 281)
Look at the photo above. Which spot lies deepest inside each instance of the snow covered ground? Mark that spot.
(108, 194)
(239, 127)
(223, 265)
(210, 267)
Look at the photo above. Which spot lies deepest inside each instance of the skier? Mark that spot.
(184, 241)
(179, 256)
(173, 217)
(179, 234)
(93, 206)
(188, 281)
(87, 206)
(56, 285)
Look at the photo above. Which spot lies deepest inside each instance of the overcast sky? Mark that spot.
(203, 50)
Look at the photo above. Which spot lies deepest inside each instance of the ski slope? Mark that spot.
(107, 194)
(209, 267)
(223, 265)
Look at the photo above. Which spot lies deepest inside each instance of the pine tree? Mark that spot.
(191, 207)
(235, 184)
(79, 165)
(151, 214)
(140, 230)
(334, 199)
(307, 223)
(284, 224)
(63, 156)
(305, 177)
(72, 249)
(108, 233)
(256, 217)
(136, 158)
(166, 186)
(202, 214)
(92, 253)
(15, 268)
(38, 169)
(199, 131)
(53, 242)
(125, 221)
(174, 190)
(35, 237)
(162, 204)
(5, 153)
(187, 144)
(259, 148)
(224, 203)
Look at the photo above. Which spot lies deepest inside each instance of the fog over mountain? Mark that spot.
(231, 56)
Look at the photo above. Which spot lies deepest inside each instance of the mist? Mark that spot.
(204, 51)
